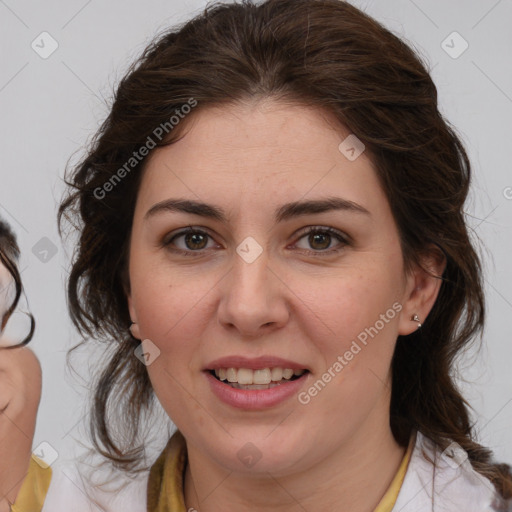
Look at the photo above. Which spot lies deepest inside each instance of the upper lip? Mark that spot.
(256, 363)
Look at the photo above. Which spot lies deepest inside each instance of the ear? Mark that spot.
(423, 283)
(134, 327)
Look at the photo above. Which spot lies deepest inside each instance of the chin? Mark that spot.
(258, 452)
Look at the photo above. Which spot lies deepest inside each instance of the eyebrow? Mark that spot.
(285, 212)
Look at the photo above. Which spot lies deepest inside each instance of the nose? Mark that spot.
(253, 298)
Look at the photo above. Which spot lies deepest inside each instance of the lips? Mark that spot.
(256, 383)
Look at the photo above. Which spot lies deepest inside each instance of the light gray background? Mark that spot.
(49, 108)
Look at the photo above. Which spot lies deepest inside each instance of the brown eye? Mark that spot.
(319, 239)
(195, 241)
(188, 241)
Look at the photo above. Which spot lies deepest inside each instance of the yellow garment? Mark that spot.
(34, 488)
(165, 485)
(388, 501)
(166, 477)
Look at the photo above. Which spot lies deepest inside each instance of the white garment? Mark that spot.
(70, 487)
(451, 485)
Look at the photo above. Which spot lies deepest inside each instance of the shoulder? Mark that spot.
(89, 489)
(443, 481)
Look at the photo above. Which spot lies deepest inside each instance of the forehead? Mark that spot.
(259, 151)
(258, 131)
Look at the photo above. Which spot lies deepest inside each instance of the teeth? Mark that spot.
(277, 374)
(260, 376)
(263, 377)
(254, 386)
(288, 373)
(244, 376)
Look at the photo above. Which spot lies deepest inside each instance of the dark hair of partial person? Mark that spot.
(324, 54)
(9, 254)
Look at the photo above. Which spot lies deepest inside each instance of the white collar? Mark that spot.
(443, 481)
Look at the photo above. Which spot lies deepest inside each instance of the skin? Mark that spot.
(20, 394)
(296, 301)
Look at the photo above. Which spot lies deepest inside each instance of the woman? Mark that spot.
(272, 238)
(20, 375)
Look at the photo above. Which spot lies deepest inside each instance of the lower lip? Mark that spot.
(253, 399)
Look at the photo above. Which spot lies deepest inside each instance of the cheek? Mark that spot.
(168, 302)
(171, 314)
(358, 314)
(347, 306)
(354, 328)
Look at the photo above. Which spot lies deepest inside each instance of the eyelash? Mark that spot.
(343, 239)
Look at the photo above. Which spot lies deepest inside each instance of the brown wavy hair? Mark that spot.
(321, 53)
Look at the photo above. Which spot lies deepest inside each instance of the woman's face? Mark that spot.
(249, 288)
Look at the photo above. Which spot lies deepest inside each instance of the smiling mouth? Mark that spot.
(266, 378)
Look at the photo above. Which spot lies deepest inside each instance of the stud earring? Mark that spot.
(416, 318)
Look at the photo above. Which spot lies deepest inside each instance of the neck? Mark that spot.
(354, 477)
